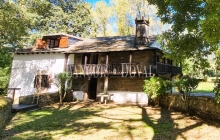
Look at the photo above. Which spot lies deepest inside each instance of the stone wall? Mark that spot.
(126, 84)
(80, 84)
(5, 110)
(205, 107)
(44, 99)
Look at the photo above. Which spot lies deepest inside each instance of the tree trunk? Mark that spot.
(60, 95)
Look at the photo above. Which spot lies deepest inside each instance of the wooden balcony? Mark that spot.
(121, 69)
(167, 69)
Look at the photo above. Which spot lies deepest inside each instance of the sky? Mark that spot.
(94, 1)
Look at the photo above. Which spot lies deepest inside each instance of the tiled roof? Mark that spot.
(99, 44)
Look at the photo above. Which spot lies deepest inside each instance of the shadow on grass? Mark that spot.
(44, 123)
(165, 128)
(52, 122)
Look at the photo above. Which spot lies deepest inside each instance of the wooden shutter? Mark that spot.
(41, 44)
(63, 42)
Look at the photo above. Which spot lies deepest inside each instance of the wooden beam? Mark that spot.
(130, 60)
(130, 57)
(155, 60)
(105, 85)
(106, 62)
(106, 78)
(66, 61)
(85, 60)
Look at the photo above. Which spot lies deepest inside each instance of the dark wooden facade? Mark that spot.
(123, 64)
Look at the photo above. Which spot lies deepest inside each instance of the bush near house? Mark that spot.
(62, 81)
(155, 86)
(216, 90)
(186, 85)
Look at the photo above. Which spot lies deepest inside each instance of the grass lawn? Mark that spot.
(205, 87)
(106, 122)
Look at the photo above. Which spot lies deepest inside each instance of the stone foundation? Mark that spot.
(205, 107)
(44, 99)
(5, 111)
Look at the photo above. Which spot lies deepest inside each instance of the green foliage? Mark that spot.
(14, 24)
(22, 21)
(216, 90)
(194, 29)
(118, 17)
(155, 86)
(5, 67)
(101, 16)
(62, 81)
(186, 85)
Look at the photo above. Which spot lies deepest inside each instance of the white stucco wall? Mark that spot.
(24, 70)
(71, 59)
(121, 97)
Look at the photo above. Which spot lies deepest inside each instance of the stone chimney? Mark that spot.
(142, 31)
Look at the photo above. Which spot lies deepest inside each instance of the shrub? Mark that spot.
(216, 90)
(62, 81)
(155, 86)
(185, 85)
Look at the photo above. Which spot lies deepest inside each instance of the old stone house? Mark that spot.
(113, 65)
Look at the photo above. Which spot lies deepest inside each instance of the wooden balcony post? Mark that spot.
(106, 61)
(106, 78)
(130, 60)
(65, 63)
(85, 61)
(155, 60)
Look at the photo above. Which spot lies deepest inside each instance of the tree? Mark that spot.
(102, 14)
(122, 16)
(5, 67)
(141, 8)
(186, 85)
(22, 21)
(62, 81)
(193, 32)
(14, 24)
(78, 16)
(118, 17)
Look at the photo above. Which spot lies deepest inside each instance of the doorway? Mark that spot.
(92, 88)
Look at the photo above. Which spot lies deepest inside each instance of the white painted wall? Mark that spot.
(121, 97)
(24, 70)
(71, 59)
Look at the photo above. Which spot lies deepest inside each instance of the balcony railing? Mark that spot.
(167, 68)
(123, 69)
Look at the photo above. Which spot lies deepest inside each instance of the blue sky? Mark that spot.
(94, 1)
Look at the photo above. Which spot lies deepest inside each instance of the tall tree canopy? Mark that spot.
(118, 17)
(22, 21)
(102, 14)
(194, 28)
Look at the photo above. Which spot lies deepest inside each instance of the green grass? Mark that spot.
(204, 87)
(100, 122)
(2, 102)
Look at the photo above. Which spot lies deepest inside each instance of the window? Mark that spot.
(53, 43)
(41, 81)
